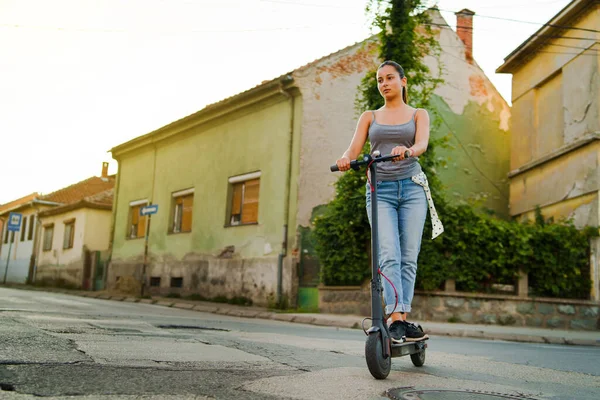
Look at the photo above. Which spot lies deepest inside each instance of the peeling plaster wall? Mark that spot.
(573, 175)
(71, 273)
(210, 277)
(328, 89)
(469, 101)
(464, 82)
(556, 104)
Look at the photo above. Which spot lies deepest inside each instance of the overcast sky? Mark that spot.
(82, 76)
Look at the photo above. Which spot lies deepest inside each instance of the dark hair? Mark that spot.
(400, 70)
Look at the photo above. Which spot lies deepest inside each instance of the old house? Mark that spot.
(74, 242)
(33, 238)
(237, 182)
(16, 248)
(555, 150)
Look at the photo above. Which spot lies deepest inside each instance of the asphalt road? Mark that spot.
(60, 346)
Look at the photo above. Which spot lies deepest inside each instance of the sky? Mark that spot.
(80, 77)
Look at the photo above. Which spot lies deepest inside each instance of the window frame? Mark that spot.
(48, 246)
(71, 239)
(175, 217)
(31, 227)
(232, 183)
(23, 228)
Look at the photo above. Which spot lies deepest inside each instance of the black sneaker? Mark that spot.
(398, 332)
(413, 332)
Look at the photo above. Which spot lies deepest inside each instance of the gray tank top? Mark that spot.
(384, 138)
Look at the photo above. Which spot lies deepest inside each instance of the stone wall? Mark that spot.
(473, 308)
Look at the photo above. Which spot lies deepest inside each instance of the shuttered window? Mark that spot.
(244, 202)
(137, 223)
(183, 205)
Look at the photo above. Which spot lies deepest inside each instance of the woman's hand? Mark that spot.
(343, 163)
(399, 151)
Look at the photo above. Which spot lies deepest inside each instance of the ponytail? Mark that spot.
(404, 95)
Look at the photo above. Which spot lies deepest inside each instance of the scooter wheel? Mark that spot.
(418, 359)
(379, 367)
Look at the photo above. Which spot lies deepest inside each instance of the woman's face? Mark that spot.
(389, 82)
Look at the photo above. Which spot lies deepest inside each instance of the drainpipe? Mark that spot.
(113, 222)
(284, 244)
(35, 256)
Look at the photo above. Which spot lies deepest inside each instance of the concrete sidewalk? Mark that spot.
(489, 332)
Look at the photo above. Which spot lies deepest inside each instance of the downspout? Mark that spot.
(284, 244)
(113, 223)
(33, 267)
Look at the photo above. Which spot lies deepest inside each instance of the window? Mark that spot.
(137, 223)
(183, 203)
(69, 234)
(12, 236)
(23, 228)
(48, 235)
(155, 281)
(244, 199)
(176, 282)
(31, 223)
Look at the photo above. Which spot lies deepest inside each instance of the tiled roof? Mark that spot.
(79, 191)
(105, 197)
(99, 201)
(18, 202)
(256, 87)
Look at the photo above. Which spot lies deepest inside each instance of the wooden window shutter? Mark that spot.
(250, 206)
(186, 218)
(141, 222)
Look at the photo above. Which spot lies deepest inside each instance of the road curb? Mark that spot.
(339, 321)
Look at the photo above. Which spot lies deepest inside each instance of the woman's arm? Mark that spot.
(422, 135)
(358, 141)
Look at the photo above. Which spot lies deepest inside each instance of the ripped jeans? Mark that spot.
(401, 210)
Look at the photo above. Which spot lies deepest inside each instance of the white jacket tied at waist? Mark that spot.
(436, 223)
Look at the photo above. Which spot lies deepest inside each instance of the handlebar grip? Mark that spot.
(334, 168)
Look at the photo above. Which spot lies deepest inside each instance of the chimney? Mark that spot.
(104, 170)
(464, 29)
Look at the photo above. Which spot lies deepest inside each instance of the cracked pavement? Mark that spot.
(59, 346)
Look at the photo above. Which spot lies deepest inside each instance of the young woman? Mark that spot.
(402, 192)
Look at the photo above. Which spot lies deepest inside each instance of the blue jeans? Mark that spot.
(401, 211)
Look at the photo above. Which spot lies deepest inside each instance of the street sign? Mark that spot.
(149, 210)
(14, 222)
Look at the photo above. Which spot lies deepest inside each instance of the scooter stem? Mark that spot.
(377, 322)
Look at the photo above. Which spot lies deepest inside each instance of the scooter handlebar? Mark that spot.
(354, 163)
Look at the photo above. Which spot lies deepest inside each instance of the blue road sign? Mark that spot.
(14, 222)
(153, 209)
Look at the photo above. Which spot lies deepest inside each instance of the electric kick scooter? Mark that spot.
(379, 348)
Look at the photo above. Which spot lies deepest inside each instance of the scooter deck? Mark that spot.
(407, 348)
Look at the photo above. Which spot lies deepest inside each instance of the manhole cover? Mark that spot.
(411, 393)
